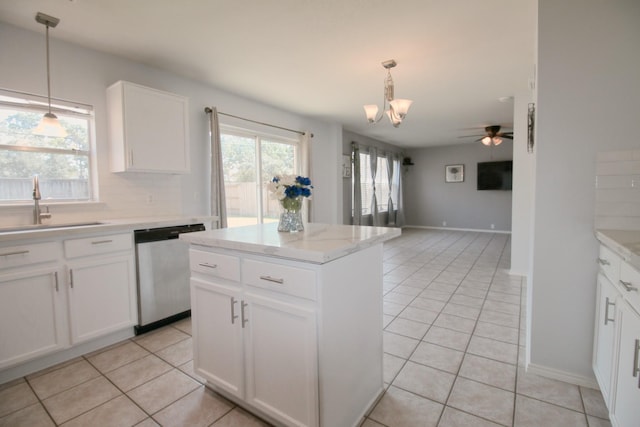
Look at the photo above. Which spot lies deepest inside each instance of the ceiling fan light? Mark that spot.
(401, 107)
(497, 140)
(371, 110)
(486, 140)
(50, 126)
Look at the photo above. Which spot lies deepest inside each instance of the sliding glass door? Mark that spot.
(250, 161)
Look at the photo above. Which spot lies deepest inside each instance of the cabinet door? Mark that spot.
(148, 129)
(281, 359)
(32, 321)
(101, 296)
(605, 330)
(217, 335)
(627, 394)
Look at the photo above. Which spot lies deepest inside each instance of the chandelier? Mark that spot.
(397, 108)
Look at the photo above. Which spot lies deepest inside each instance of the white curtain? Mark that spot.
(305, 167)
(399, 199)
(357, 191)
(391, 215)
(373, 164)
(218, 205)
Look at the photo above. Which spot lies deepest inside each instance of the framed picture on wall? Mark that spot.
(454, 173)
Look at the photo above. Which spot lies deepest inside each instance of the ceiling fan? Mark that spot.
(493, 136)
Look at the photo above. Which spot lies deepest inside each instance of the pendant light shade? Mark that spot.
(49, 125)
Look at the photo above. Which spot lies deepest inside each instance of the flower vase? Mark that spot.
(291, 215)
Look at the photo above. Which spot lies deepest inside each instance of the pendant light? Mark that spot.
(398, 108)
(49, 124)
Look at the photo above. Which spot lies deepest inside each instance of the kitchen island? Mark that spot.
(289, 325)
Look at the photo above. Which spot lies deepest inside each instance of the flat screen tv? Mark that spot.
(495, 175)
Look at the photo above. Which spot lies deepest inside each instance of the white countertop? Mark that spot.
(99, 226)
(318, 243)
(625, 243)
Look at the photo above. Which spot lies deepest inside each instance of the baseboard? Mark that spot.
(567, 377)
(518, 273)
(477, 230)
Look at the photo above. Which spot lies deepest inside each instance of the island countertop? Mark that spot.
(625, 243)
(318, 243)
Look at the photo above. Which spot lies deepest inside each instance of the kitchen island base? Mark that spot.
(297, 343)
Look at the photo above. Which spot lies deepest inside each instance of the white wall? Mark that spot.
(588, 101)
(522, 201)
(430, 201)
(82, 75)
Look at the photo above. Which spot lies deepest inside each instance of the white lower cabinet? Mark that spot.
(605, 335)
(299, 344)
(258, 349)
(32, 318)
(280, 359)
(101, 295)
(218, 354)
(626, 403)
(616, 354)
(56, 294)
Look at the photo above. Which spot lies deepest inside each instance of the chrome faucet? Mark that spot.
(37, 214)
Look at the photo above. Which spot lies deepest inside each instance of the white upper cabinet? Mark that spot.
(148, 129)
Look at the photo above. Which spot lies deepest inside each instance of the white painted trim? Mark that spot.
(458, 229)
(518, 273)
(567, 377)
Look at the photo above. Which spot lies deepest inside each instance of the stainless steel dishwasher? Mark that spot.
(162, 262)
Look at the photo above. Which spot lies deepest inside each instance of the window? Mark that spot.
(249, 162)
(63, 165)
(382, 188)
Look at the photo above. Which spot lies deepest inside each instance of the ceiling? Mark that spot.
(322, 58)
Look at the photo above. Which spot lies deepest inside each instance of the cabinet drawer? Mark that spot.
(631, 278)
(280, 278)
(15, 256)
(609, 263)
(98, 245)
(214, 264)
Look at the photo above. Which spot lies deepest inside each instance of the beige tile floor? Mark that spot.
(452, 357)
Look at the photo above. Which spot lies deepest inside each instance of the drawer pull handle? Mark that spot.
(71, 278)
(244, 319)
(636, 350)
(234, 316)
(101, 242)
(55, 277)
(628, 286)
(14, 253)
(204, 264)
(603, 261)
(272, 279)
(606, 310)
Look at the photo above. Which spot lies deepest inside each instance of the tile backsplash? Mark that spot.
(618, 190)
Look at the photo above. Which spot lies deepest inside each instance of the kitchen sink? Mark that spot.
(35, 227)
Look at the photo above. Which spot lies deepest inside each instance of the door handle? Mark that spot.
(607, 303)
(244, 319)
(71, 278)
(234, 316)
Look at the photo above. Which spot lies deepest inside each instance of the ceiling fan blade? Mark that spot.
(470, 136)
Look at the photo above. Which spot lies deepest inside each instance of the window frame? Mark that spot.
(32, 103)
(259, 137)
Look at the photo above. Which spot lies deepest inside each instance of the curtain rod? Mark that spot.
(208, 110)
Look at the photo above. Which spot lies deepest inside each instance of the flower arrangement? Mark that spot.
(289, 190)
